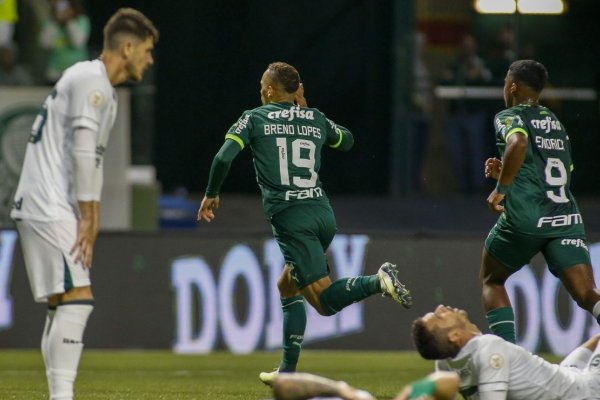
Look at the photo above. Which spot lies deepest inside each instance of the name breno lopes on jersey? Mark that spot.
(302, 130)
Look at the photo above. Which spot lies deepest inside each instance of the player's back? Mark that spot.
(46, 188)
(539, 201)
(286, 143)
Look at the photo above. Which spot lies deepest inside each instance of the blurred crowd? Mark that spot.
(39, 39)
(467, 121)
(54, 34)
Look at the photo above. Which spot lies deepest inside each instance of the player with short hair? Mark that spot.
(57, 202)
(491, 368)
(286, 140)
(539, 213)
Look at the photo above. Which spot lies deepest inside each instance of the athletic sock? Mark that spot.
(596, 311)
(346, 291)
(502, 323)
(294, 324)
(65, 345)
(44, 345)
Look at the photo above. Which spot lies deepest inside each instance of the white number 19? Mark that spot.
(298, 161)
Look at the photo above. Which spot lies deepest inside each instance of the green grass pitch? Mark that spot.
(162, 375)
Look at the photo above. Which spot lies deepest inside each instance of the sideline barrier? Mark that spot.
(196, 293)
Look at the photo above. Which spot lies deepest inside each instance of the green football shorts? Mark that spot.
(304, 233)
(515, 250)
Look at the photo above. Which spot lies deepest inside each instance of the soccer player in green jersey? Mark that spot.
(286, 138)
(539, 213)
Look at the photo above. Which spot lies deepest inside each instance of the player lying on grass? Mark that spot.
(300, 386)
(487, 367)
(491, 368)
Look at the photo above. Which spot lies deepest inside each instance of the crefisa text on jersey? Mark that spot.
(289, 115)
(547, 124)
(293, 112)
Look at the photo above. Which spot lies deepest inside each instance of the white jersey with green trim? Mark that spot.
(488, 364)
(82, 98)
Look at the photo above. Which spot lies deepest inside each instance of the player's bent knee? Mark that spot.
(324, 311)
(77, 293)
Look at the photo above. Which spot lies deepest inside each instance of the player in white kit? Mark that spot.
(491, 368)
(57, 202)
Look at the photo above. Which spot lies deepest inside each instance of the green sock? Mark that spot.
(346, 291)
(294, 324)
(502, 323)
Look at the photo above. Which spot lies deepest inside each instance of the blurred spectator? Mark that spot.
(422, 101)
(502, 53)
(8, 19)
(65, 34)
(528, 50)
(11, 73)
(467, 118)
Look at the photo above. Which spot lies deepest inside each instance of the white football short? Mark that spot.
(50, 267)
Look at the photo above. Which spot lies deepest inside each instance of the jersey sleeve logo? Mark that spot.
(502, 125)
(241, 124)
(496, 361)
(96, 98)
(519, 120)
(332, 124)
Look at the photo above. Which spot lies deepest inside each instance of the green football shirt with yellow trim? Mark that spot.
(286, 143)
(539, 202)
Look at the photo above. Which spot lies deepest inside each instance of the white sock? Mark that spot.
(65, 347)
(44, 345)
(596, 310)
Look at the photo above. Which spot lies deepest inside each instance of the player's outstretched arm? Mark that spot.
(218, 172)
(592, 342)
(301, 386)
(441, 385)
(580, 357)
(207, 207)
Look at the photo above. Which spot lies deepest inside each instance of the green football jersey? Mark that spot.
(539, 202)
(286, 143)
